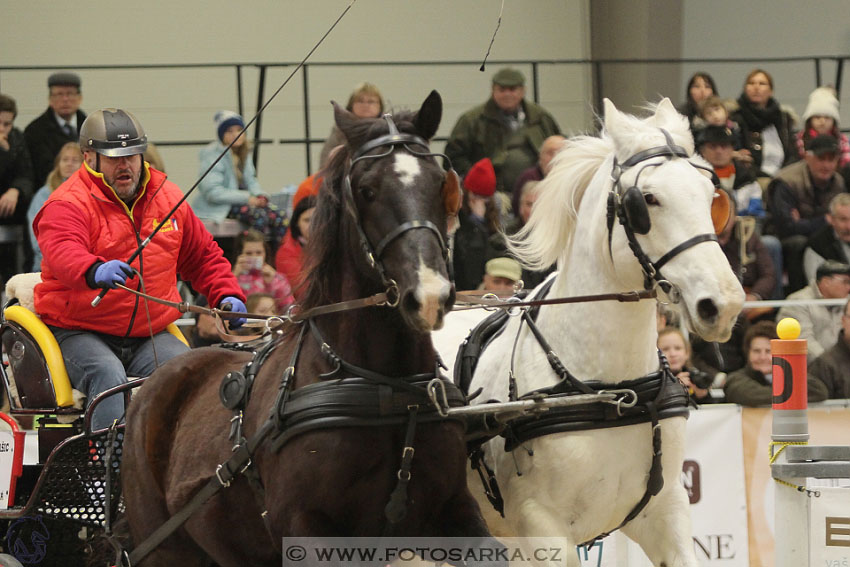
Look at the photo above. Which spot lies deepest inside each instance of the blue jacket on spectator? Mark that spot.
(220, 189)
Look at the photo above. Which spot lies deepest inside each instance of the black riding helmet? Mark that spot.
(113, 132)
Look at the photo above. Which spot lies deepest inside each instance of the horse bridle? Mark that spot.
(374, 253)
(620, 199)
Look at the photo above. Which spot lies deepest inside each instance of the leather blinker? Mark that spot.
(452, 197)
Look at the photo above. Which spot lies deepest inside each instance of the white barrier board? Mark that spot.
(7, 458)
(829, 532)
(713, 473)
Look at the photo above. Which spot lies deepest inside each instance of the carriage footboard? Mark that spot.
(80, 481)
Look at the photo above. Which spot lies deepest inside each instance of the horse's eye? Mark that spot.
(650, 199)
(368, 193)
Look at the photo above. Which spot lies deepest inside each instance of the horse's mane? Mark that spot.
(548, 233)
(550, 229)
(323, 255)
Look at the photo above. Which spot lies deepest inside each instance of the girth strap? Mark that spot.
(396, 508)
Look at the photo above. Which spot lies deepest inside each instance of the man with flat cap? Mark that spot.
(820, 324)
(59, 124)
(507, 129)
(799, 198)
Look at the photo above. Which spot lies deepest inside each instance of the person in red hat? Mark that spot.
(479, 219)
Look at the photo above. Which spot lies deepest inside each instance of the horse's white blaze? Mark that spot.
(431, 292)
(407, 168)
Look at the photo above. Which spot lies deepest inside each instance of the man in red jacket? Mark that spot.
(87, 228)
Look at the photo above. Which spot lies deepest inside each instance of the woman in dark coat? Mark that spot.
(479, 220)
(767, 128)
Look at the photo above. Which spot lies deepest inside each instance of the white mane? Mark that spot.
(546, 237)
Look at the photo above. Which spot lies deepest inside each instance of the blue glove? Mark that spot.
(755, 208)
(235, 305)
(111, 273)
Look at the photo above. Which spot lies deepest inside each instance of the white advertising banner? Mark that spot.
(7, 461)
(713, 474)
(829, 543)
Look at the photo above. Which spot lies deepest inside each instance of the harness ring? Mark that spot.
(393, 295)
(442, 408)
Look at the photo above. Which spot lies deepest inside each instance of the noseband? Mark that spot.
(630, 209)
(375, 253)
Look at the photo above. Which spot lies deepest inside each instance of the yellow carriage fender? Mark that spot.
(53, 354)
(49, 348)
(175, 330)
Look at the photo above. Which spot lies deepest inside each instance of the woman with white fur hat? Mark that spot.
(822, 117)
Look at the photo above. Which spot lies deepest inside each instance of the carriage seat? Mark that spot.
(37, 377)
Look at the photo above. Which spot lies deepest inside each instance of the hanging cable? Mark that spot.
(489, 47)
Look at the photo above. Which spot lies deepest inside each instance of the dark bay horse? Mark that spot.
(333, 481)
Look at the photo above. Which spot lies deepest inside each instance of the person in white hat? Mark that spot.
(821, 117)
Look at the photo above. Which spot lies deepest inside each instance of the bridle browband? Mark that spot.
(375, 253)
(651, 270)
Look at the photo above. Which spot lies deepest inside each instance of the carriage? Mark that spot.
(218, 433)
(65, 478)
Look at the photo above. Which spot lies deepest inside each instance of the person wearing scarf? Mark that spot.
(767, 128)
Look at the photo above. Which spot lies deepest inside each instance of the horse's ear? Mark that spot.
(428, 117)
(665, 110)
(452, 196)
(343, 118)
(612, 116)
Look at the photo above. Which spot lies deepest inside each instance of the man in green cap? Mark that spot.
(507, 129)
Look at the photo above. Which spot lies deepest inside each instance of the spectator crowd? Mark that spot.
(788, 234)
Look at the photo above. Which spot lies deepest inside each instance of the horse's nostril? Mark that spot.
(707, 309)
(410, 303)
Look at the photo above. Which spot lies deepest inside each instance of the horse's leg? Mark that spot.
(663, 529)
(146, 510)
(461, 517)
(231, 531)
(531, 518)
(147, 449)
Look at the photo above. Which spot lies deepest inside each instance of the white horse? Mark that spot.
(578, 485)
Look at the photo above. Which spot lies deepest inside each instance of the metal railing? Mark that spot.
(598, 69)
